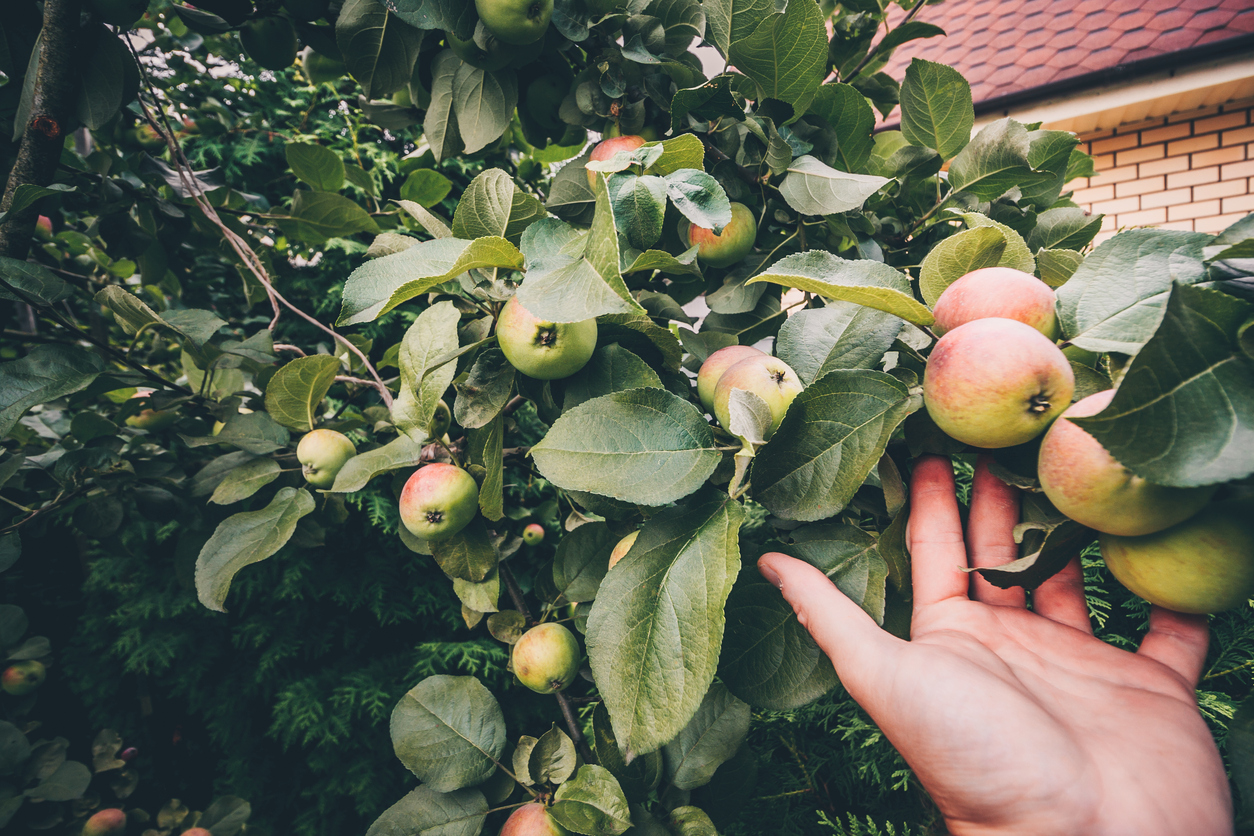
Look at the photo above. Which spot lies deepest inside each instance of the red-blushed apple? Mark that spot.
(43, 227)
(105, 823)
(21, 678)
(438, 501)
(532, 820)
(533, 535)
(622, 547)
(725, 248)
(544, 350)
(197, 831)
(770, 378)
(997, 292)
(128, 754)
(1087, 484)
(1203, 565)
(608, 148)
(322, 453)
(714, 366)
(996, 383)
(546, 658)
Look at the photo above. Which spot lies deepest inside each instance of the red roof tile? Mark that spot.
(1058, 40)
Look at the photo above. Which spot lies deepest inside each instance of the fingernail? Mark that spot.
(769, 574)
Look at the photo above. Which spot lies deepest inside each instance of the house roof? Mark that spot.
(1018, 49)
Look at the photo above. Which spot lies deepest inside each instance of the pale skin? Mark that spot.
(1020, 721)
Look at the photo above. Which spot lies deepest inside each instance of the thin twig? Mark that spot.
(870, 55)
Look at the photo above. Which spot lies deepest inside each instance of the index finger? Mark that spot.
(934, 534)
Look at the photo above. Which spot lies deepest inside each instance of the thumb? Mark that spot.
(860, 650)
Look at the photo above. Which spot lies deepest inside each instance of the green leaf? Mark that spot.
(360, 469)
(486, 390)
(449, 731)
(994, 162)
(690, 821)
(485, 447)
(246, 538)
(101, 89)
(832, 435)
(639, 204)
(849, 557)
(678, 152)
(434, 227)
(649, 260)
(846, 112)
(1049, 152)
(34, 281)
(660, 616)
(318, 216)
(320, 167)
(583, 558)
(1017, 254)
(24, 196)
(468, 555)
(711, 737)
(699, 197)
(296, 390)
(841, 335)
(432, 335)
(425, 812)
(812, 187)
(957, 255)
(769, 660)
(380, 285)
(484, 103)
(48, 372)
(638, 778)
(553, 758)
(644, 446)
(1062, 541)
(936, 108)
(592, 804)
(68, 783)
(1114, 301)
(1065, 228)
(869, 283)
(439, 125)
(425, 187)
(493, 205)
(245, 480)
(14, 747)
(709, 100)
(611, 369)
(379, 48)
(1184, 414)
(1057, 266)
(254, 432)
(785, 54)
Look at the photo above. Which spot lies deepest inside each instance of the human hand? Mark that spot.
(1021, 721)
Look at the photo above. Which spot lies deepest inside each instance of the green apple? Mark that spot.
(997, 292)
(152, 419)
(496, 57)
(269, 41)
(438, 501)
(1203, 565)
(321, 454)
(532, 819)
(608, 148)
(622, 547)
(996, 383)
(20, 678)
(1087, 484)
(516, 21)
(105, 822)
(440, 421)
(725, 248)
(320, 69)
(533, 534)
(770, 378)
(546, 658)
(544, 350)
(123, 13)
(714, 366)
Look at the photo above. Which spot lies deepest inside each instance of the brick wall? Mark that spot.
(1191, 171)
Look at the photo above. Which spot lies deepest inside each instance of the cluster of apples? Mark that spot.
(996, 378)
(112, 822)
(752, 370)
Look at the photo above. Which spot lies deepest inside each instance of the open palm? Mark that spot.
(1021, 721)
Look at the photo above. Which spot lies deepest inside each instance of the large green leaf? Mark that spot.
(592, 803)
(253, 432)
(1065, 228)
(468, 554)
(637, 778)
(485, 391)
(659, 615)
(936, 108)
(644, 446)
(484, 103)
(785, 54)
(425, 812)
(245, 480)
(485, 447)
(711, 737)
(870, 283)
(34, 281)
(583, 558)
(1017, 254)
(293, 394)
(841, 335)
(611, 369)
(101, 89)
(847, 112)
(493, 205)
(433, 335)
(639, 204)
(246, 538)
(699, 197)
(1184, 413)
(832, 435)
(317, 216)
(48, 372)
(439, 125)
(357, 472)
(814, 188)
(320, 167)
(449, 731)
(379, 48)
(455, 16)
(994, 162)
(957, 255)
(850, 557)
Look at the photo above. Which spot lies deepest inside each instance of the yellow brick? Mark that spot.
(1175, 197)
(1193, 143)
(1193, 210)
(1140, 126)
(1165, 166)
(1114, 175)
(1244, 203)
(1239, 136)
(1102, 237)
(1135, 187)
(1108, 223)
(1217, 223)
(1163, 134)
(1148, 216)
(1219, 123)
(1193, 114)
(1219, 156)
(1227, 188)
(1235, 170)
(1115, 143)
(1183, 226)
(1140, 155)
(1076, 184)
(1102, 162)
(1194, 177)
(1114, 207)
(1095, 193)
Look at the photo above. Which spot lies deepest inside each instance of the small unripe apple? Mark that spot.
(729, 246)
(533, 534)
(532, 820)
(43, 227)
(997, 292)
(440, 420)
(198, 831)
(622, 547)
(105, 823)
(714, 366)
(1086, 483)
(546, 658)
(996, 383)
(151, 419)
(544, 350)
(516, 21)
(608, 148)
(128, 754)
(438, 501)
(770, 378)
(21, 678)
(321, 454)
(1203, 565)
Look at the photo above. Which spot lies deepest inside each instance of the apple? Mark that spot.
(622, 547)
(544, 350)
(997, 292)
(546, 658)
(714, 366)
(440, 420)
(438, 501)
(516, 21)
(725, 248)
(1203, 565)
(320, 69)
(151, 419)
(996, 383)
(532, 819)
(533, 534)
(43, 227)
(321, 454)
(197, 831)
(608, 148)
(269, 41)
(770, 378)
(128, 754)
(1087, 484)
(20, 678)
(105, 822)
